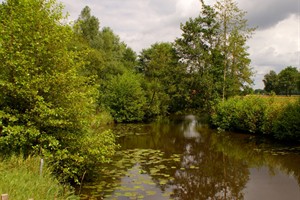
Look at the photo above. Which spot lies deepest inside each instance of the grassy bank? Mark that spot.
(21, 180)
(276, 116)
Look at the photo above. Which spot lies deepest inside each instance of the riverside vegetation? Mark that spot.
(20, 179)
(278, 117)
(60, 82)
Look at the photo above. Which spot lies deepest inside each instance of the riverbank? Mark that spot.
(275, 116)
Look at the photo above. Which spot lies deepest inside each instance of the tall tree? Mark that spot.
(198, 41)
(88, 25)
(233, 34)
(199, 52)
(108, 54)
(164, 76)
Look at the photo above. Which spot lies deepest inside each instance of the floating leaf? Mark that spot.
(163, 182)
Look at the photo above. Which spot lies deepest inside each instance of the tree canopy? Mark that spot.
(45, 103)
(213, 49)
(286, 82)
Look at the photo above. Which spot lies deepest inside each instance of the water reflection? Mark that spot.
(182, 159)
(189, 127)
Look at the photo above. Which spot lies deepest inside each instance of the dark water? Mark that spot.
(183, 159)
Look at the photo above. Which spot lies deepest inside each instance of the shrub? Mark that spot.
(255, 114)
(240, 113)
(287, 126)
(223, 116)
(125, 98)
(82, 157)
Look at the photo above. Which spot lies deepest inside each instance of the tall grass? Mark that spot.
(21, 180)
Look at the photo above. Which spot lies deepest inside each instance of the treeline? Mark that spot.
(208, 62)
(287, 82)
(56, 78)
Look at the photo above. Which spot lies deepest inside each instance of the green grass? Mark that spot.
(21, 180)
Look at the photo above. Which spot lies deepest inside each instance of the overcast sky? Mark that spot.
(141, 23)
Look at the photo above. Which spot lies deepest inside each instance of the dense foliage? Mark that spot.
(165, 81)
(287, 82)
(45, 103)
(260, 115)
(214, 52)
(125, 98)
(206, 63)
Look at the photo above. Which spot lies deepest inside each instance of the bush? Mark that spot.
(45, 102)
(240, 113)
(223, 115)
(255, 114)
(287, 126)
(82, 157)
(125, 98)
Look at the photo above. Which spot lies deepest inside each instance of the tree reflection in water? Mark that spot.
(186, 160)
(209, 174)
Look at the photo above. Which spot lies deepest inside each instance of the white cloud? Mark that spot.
(276, 48)
(187, 8)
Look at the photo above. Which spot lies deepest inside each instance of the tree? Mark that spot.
(107, 54)
(88, 26)
(125, 98)
(213, 47)
(288, 79)
(45, 104)
(200, 54)
(233, 34)
(165, 78)
(271, 82)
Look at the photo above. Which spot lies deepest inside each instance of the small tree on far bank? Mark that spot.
(287, 80)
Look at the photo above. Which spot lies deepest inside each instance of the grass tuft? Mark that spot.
(21, 180)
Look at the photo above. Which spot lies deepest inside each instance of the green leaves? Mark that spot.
(260, 115)
(45, 102)
(286, 82)
(164, 78)
(213, 49)
(125, 98)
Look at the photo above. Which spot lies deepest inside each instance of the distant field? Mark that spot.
(280, 99)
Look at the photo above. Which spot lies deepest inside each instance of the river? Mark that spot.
(181, 158)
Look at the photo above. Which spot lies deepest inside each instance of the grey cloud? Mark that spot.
(163, 7)
(267, 13)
